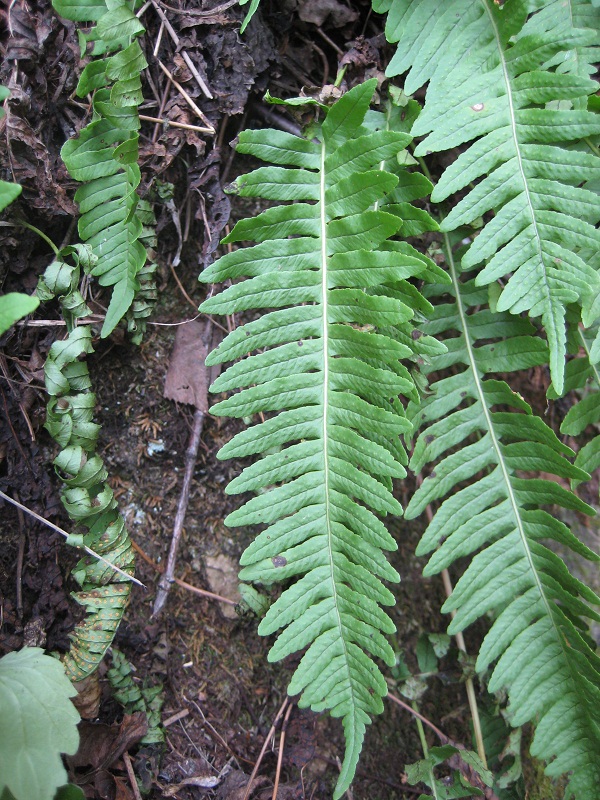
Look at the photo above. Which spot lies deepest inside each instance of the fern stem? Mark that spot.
(40, 233)
(421, 731)
(460, 643)
(469, 685)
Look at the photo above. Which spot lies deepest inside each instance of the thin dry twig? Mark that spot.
(442, 736)
(131, 775)
(202, 592)
(281, 749)
(54, 527)
(191, 454)
(163, 18)
(465, 768)
(261, 755)
(460, 643)
(173, 124)
(186, 97)
(176, 717)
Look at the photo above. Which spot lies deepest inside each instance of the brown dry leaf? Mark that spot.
(222, 576)
(87, 701)
(201, 781)
(187, 378)
(101, 745)
(234, 786)
(318, 11)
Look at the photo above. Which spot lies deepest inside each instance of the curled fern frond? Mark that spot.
(104, 155)
(493, 96)
(331, 451)
(477, 432)
(86, 495)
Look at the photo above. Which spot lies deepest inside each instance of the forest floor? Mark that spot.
(221, 695)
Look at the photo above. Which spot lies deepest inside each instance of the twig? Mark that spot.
(54, 527)
(131, 774)
(273, 118)
(194, 13)
(20, 556)
(330, 42)
(442, 736)
(281, 749)
(191, 454)
(264, 748)
(186, 97)
(186, 58)
(176, 717)
(173, 124)
(157, 568)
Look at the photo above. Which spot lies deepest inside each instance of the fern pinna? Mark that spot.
(104, 155)
(330, 453)
(476, 430)
(491, 72)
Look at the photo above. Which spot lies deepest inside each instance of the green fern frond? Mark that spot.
(493, 95)
(478, 431)
(86, 495)
(331, 451)
(104, 155)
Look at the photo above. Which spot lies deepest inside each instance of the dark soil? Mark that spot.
(213, 667)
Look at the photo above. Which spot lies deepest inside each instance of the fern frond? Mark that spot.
(104, 154)
(331, 451)
(488, 84)
(476, 430)
(86, 495)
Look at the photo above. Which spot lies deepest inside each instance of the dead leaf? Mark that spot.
(201, 781)
(187, 378)
(222, 576)
(87, 701)
(319, 11)
(101, 745)
(234, 786)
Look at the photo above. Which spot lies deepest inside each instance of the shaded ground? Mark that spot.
(220, 694)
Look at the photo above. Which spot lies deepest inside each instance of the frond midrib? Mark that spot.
(324, 306)
(515, 138)
(500, 458)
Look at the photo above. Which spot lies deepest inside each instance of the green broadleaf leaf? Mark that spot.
(15, 306)
(8, 193)
(38, 722)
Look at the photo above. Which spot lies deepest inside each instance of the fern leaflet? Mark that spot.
(538, 639)
(493, 95)
(332, 450)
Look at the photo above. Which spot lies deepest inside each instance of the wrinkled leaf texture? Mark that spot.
(331, 451)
